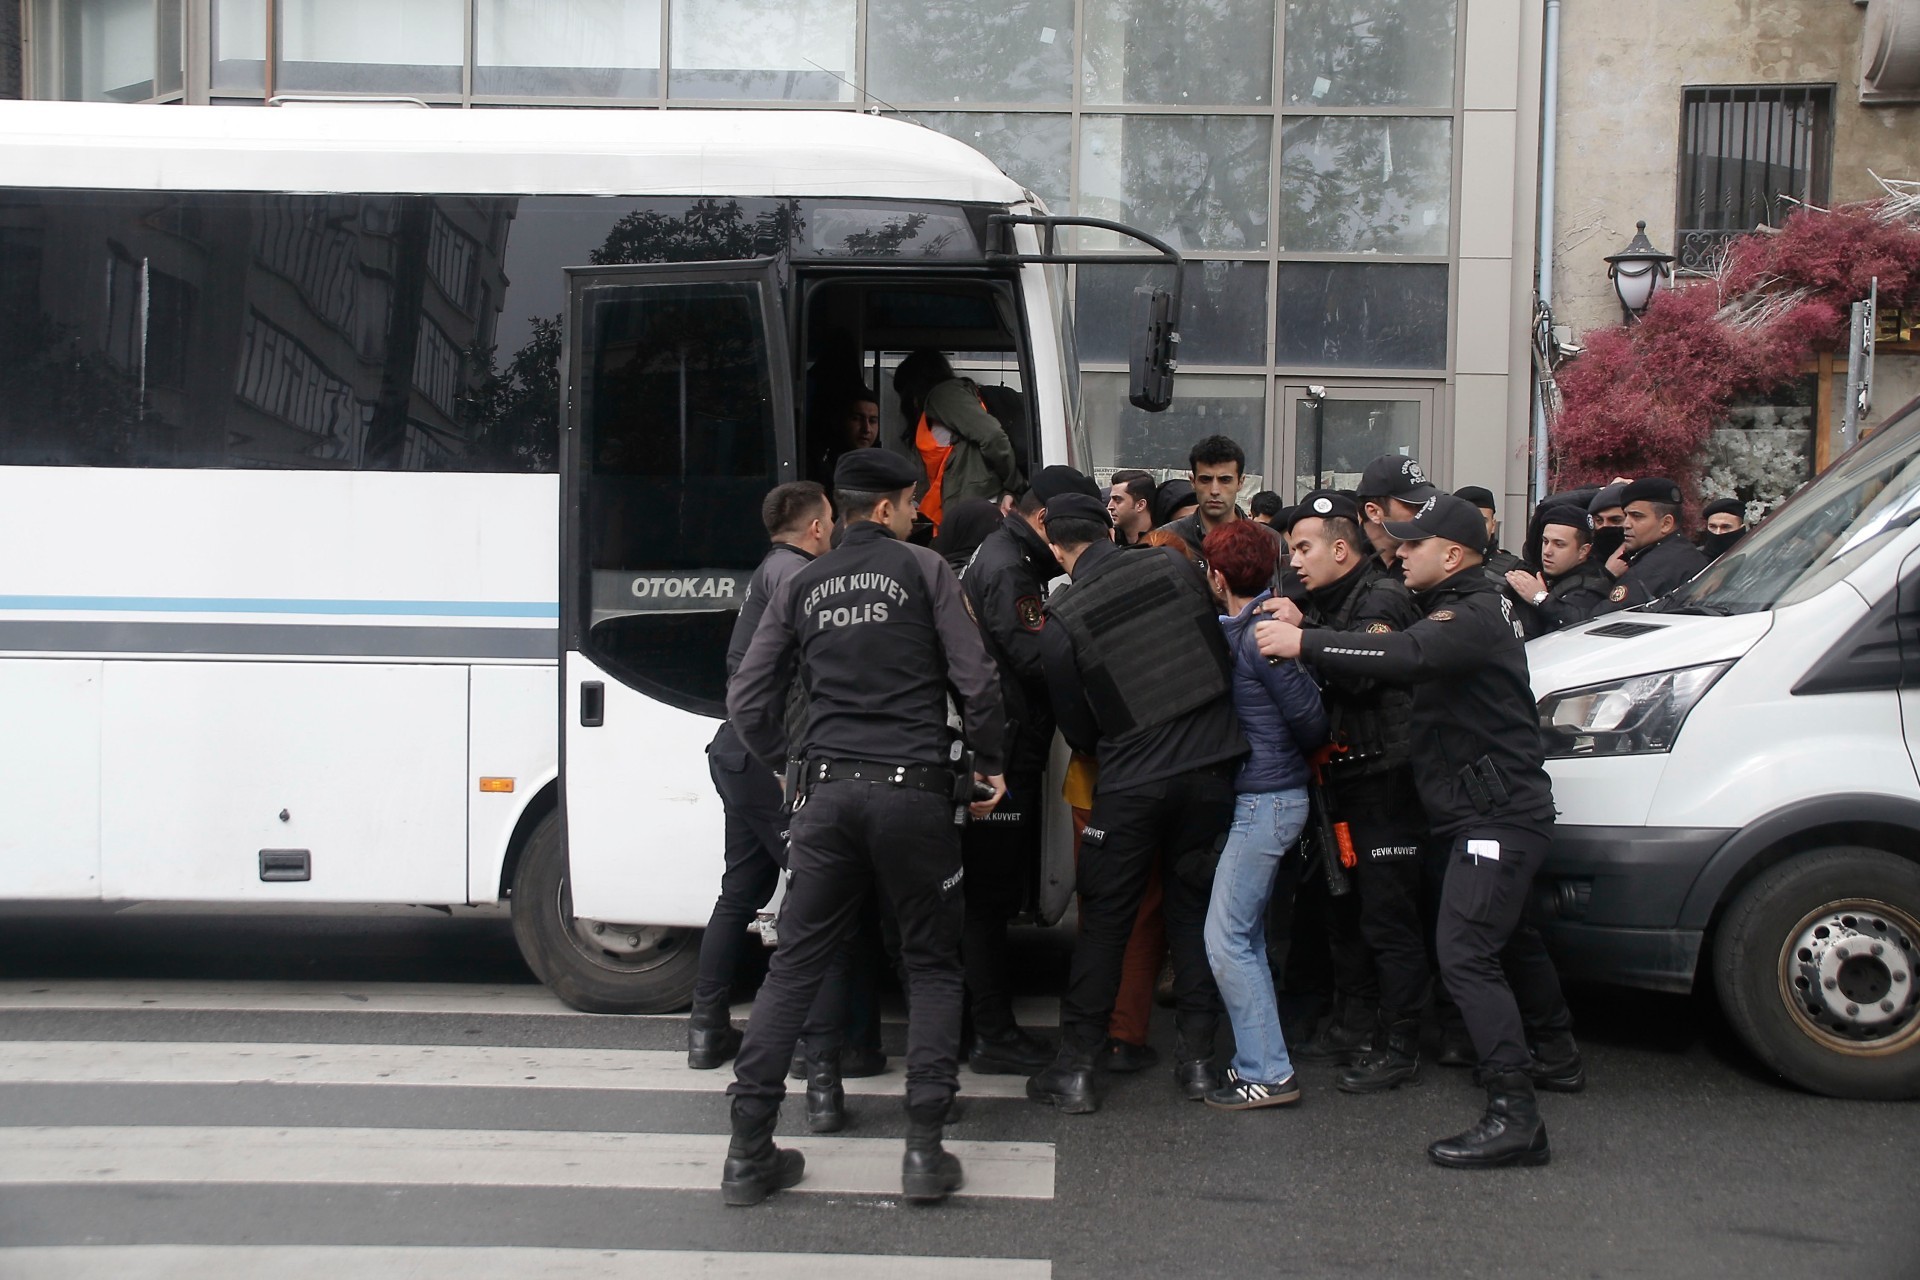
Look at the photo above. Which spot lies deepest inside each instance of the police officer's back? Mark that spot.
(1138, 668)
(878, 632)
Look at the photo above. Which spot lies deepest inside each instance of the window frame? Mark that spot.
(1700, 249)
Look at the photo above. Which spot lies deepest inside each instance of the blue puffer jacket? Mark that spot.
(1280, 710)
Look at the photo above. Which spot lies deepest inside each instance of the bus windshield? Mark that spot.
(1823, 532)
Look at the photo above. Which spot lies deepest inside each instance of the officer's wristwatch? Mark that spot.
(1537, 597)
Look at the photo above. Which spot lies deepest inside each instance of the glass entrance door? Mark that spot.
(1337, 431)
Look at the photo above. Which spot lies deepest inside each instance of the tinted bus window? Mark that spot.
(388, 333)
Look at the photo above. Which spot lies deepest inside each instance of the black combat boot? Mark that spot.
(1394, 1061)
(929, 1172)
(1067, 1085)
(1193, 1069)
(826, 1099)
(1556, 1065)
(1510, 1133)
(711, 1039)
(1345, 1035)
(1013, 1052)
(755, 1168)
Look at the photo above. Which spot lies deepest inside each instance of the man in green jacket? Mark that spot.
(964, 450)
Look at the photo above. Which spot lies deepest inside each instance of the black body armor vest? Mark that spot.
(1148, 642)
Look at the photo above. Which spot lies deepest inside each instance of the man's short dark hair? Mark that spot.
(858, 504)
(1264, 503)
(1217, 449)
(1660, 510)
(1334, 529)
(1075, 533)
(791, 505)
(1140, 484)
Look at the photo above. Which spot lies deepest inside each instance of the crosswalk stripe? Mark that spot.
(94, 1154)
(373, 997)
(216, 1262)
(146, 1062)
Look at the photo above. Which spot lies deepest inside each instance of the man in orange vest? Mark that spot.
(964, 449)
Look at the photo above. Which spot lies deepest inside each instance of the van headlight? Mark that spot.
(1635, 716)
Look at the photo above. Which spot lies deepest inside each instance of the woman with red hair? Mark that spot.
(1284, 721)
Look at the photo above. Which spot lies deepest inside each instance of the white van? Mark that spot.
(1735, 772)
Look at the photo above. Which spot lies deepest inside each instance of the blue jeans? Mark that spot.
(1265, 825)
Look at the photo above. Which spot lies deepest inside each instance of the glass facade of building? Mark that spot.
(1304, 154)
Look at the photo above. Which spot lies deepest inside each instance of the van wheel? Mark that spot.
(1818, 968)
(595, 966)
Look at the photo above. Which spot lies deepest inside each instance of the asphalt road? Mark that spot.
(232, 1094)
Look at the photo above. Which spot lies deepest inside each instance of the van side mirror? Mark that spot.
(1152, 350)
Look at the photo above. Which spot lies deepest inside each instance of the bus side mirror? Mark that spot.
(1152, 350)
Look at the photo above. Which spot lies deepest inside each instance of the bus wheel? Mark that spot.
(595, 966)
(1818, 968)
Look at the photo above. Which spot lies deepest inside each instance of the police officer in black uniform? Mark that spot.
(1658, 557)
(799, 520)
(1391, 488)
(1006, 589)
(879, 634)
(1570, 587)
(1370, 788)
(1498, 559)
(1139, 674)
(1478, 761)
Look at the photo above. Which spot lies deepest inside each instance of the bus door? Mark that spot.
(679, 419)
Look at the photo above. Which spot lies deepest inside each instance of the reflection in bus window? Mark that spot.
(353, 332)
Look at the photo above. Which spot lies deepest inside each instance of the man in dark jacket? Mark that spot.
(1498, 560)
(1391, 488)
(1658, 557)
(1138, 673)
(879, 632)
(1478, 761)
(1006, 589)
(1218, 467)
(800, 521)
(1570, 587)
(1371, 793)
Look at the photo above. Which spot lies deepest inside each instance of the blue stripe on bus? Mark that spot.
(215, 604)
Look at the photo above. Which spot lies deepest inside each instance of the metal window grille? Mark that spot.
(1749, 156)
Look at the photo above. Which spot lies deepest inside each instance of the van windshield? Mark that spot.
(1836, 523)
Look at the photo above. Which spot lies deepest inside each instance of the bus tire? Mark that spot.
(593, 967)
(1817, 965)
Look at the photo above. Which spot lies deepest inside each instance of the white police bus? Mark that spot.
(377, 486)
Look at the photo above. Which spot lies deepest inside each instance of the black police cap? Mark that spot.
(1651, 489)
(1571, 514)
(874, 471)
(1394, 477)
(1478, 495)
(1074, 505)
(1443, 516)
(1323, 504)
(1056, 480)
(1725, 507)
(1609, 497)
